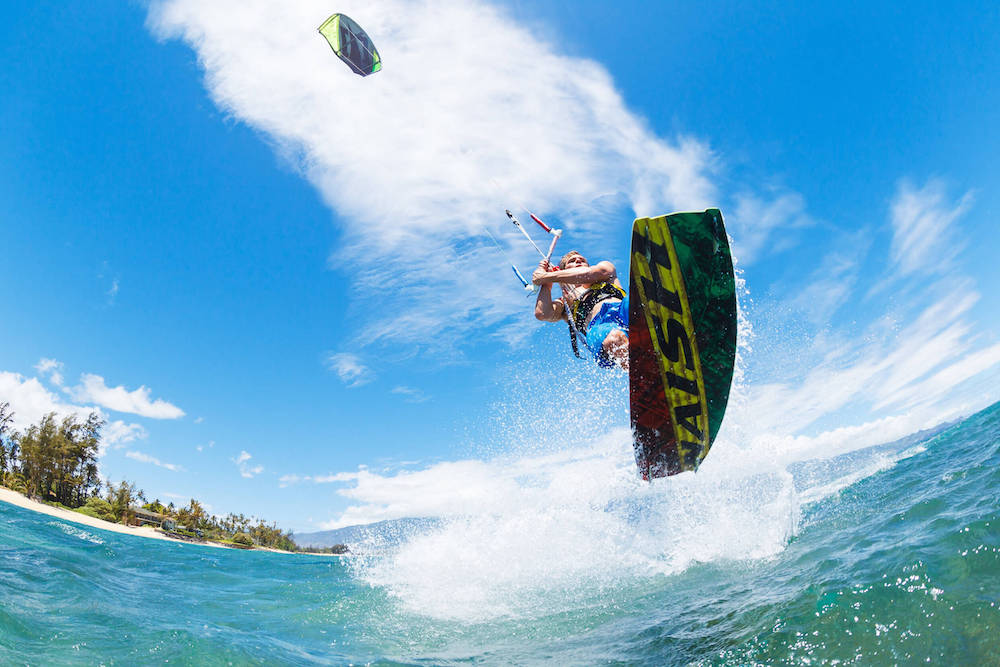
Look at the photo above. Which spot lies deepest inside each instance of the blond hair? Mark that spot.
(565, 258)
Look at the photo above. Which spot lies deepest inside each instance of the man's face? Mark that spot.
(576, 261)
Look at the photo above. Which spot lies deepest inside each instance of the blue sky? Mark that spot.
(269, 274)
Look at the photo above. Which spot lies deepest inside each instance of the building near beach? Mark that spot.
(144, 517)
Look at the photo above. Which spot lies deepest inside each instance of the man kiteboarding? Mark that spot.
(680, 357)
(593, 302)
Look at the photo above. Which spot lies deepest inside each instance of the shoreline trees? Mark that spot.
(56, 459)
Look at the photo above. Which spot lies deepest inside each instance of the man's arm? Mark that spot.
(582, 275)
(546, 309)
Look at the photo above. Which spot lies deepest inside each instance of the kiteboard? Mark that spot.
(682, 338)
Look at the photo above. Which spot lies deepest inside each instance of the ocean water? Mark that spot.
(885, 555)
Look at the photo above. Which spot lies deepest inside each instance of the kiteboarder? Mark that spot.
(593, 302)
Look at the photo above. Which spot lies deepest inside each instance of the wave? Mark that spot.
(75, 531)
(544, 527)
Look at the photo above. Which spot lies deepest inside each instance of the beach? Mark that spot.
(15, 498)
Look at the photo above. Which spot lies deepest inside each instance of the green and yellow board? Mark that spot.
(682, 338)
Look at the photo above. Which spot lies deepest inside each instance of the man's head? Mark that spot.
(572, 259)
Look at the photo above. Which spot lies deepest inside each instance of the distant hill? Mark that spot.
(381, 534)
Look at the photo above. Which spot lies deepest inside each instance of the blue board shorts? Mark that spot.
(612, 315)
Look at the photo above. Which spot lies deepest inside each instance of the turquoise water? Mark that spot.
(887, 555)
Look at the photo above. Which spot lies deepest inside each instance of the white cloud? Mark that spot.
(411, 395)
(146, 458)
(52, 368)
(30, 400)
(329, 478)
(119, 432)
(93, 388)
(349, 369)
(407, 156)
(45, 365)
(286, 480)
(920, 219)
(335, 477)
(243, 463)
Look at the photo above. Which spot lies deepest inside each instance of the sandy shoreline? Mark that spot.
(15, 498)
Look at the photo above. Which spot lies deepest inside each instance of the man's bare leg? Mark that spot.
(616, 347)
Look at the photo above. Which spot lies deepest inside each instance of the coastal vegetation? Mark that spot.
(56, 462)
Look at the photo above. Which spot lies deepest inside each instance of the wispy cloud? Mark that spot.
(871, 372)
(921, 218)
(52, 368)
(93, 388)
(763, 225)
(112, 292)
(411, 395)
(833, 282)
(454, 109)
(956, 372)
(335, 477)
(287, 480)
(243, 464)
(349, 369)
(146, 458)
(917, 359)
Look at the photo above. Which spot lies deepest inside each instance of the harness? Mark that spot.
(583, 306)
